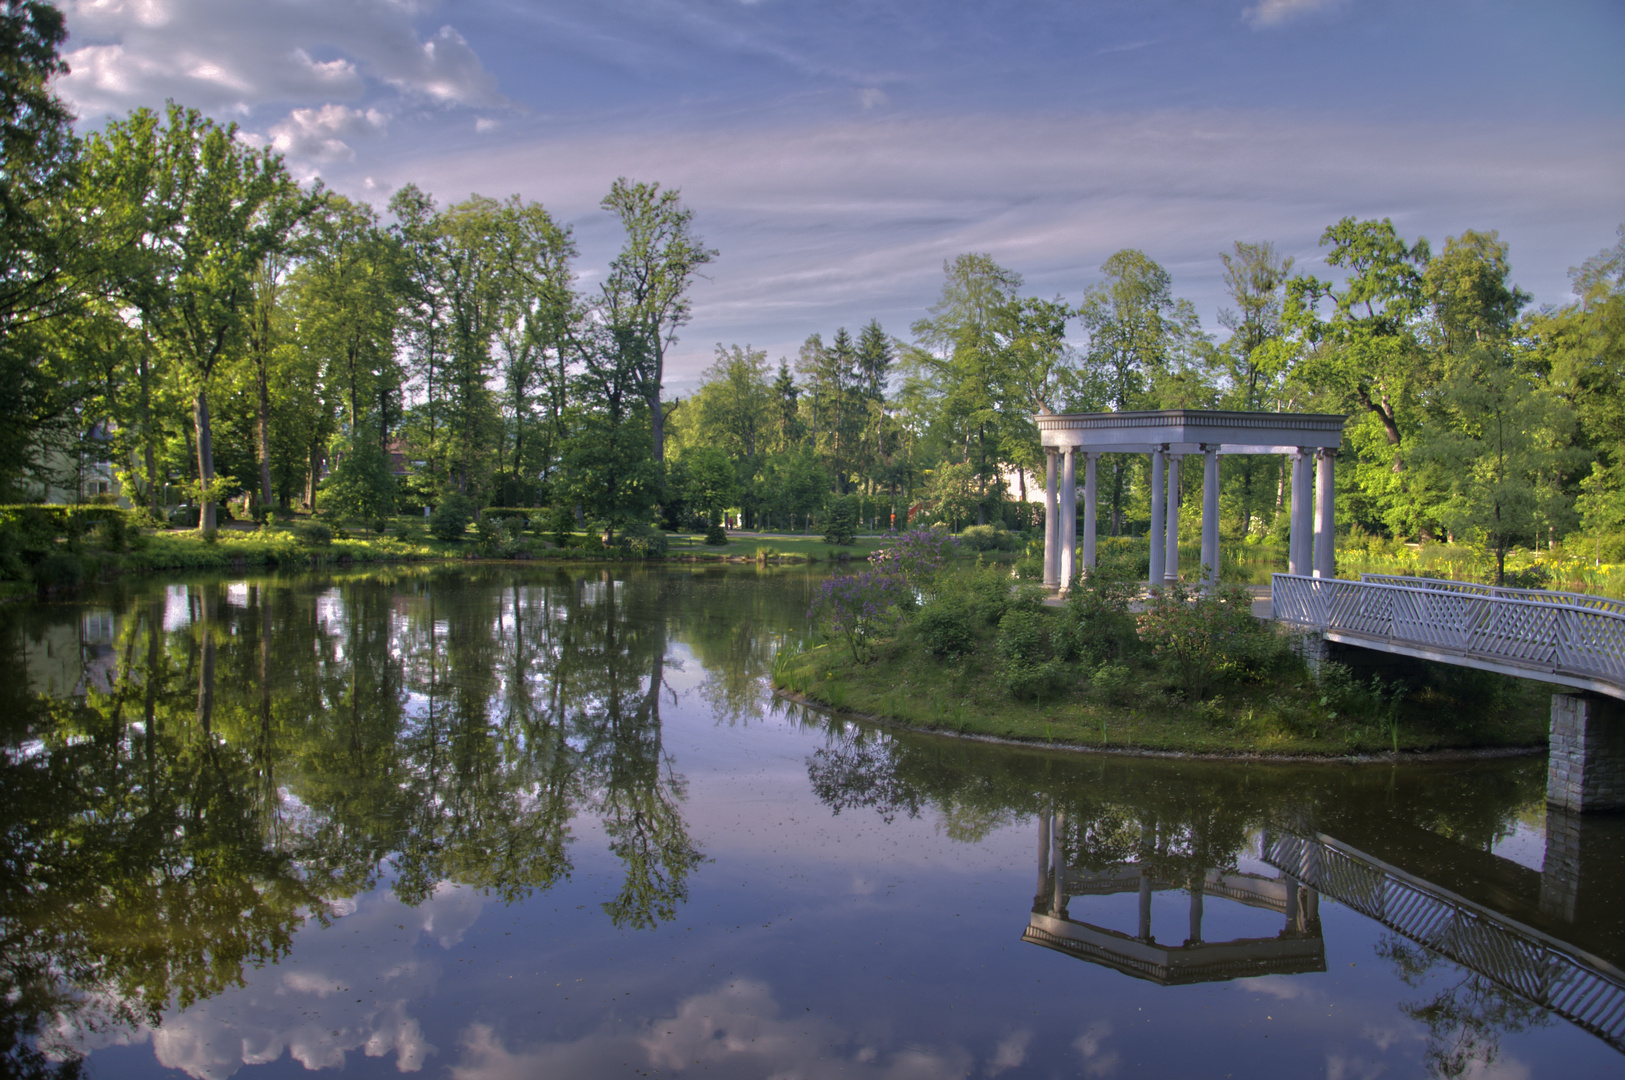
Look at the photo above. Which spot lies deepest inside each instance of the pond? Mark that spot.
(511, 821)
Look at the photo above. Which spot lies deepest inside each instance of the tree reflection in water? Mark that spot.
(243, 757)
(1190, 822)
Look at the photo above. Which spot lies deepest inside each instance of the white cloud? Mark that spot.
(822, 225)
(237, 55)
(315, 133)
(307, 1007)
(1011, 1052)
(1091, 1046)
(1339, 1067)
(731, 1031)
(1276, 986)
(1275, 12)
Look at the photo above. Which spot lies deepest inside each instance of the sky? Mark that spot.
(836, 154)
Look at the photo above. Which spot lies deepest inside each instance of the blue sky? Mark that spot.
(837, 153)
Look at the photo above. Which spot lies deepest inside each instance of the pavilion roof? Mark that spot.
(1191, 431)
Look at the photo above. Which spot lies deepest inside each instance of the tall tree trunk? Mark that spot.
(205, 458)
(149, 437)
(263, 431)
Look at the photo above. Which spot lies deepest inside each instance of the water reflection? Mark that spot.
(1296, 948)
(1498, 946)
(193, 772)
(277, 817)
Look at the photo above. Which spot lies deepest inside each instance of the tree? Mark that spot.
(1581, 347)
(1364, 355)
(712, 485)
(47, 258)
(1256, 358)
(196, 211)
(645, 296)
(959, 355)
(1137, 333)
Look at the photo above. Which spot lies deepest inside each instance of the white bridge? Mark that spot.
(1565, 638)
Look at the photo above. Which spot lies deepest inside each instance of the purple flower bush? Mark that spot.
(917, 557)
(857, 606)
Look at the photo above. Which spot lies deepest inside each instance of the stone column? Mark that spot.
(1585, 763)
(1052, 522)
(1043, 855)
(1145, 905)
(1090, 525)
(1157, 508)
(1170, 564)
(1069, 516)
(1057, 865)
(1325, 515)
(1298, 538)
(1196, 912)
(1210, 516)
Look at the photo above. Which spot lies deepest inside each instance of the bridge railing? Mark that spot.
(1523, 636)
(1472, 588)
(1577, 986)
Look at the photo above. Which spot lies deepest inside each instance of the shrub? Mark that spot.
(1027, 663)
(59, 570)
(857, 606)
(945, 627)
(562, 524)
(315, 533)
(989, 538)
(716, 536)
(643, 541)
(840, 521)
(1198, 635)
(1095, 624)
(449, 521)
(1112, 682)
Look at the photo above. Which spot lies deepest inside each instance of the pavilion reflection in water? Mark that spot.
(1297, 948)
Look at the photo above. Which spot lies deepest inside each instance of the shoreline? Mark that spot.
(1484, 753)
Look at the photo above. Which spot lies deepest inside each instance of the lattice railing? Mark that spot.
(1577, 987)
(1538, 596)
(1531, 637)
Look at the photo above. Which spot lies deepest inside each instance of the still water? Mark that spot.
(510, 822)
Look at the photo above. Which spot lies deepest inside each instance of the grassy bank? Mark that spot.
(976, 658)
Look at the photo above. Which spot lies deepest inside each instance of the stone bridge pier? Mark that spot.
(1585, 767)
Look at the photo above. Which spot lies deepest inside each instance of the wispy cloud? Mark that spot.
(1275, 12)
(234, 56)
(828, 224)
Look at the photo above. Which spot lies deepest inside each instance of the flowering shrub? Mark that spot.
(917, 557)
(1202, 635)
(857, 606)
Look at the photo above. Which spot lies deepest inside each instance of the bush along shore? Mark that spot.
(47, 550)
(925, 640)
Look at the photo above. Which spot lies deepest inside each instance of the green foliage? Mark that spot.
(449, 521)
(990, 538)
(360, 488)
(59, 570)
(840, 521)
(315, 533)
(716, 536)
(1095, 625)
(1203, 636)
(1029, 664)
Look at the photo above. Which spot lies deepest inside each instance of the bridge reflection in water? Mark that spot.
(1297, 948)
(1529, 963)
(1582, 988)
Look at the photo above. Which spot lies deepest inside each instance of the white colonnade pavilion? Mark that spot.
(1168, 436)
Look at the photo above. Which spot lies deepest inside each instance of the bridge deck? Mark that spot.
(1562, 638)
